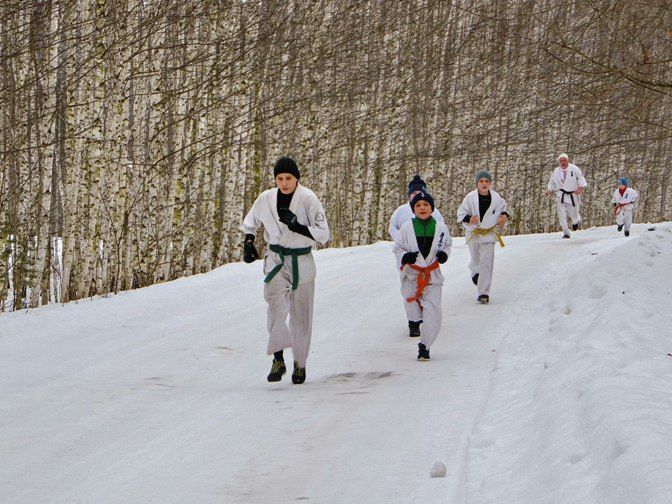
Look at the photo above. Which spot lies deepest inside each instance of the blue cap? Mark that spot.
(623, 181)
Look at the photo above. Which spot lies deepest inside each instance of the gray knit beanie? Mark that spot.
(482, 174)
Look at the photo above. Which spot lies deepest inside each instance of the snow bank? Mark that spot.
(581, 403)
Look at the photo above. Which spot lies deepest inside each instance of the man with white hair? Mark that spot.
(567, 182)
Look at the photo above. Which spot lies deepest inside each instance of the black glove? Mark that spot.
(441, 256)
(288, 218)
(409, 257)
(250, 253)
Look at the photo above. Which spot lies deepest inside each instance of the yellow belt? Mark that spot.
(483, 232)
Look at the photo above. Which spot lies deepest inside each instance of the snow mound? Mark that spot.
(580, 407)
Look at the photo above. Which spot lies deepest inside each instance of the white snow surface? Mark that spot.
(559, 391)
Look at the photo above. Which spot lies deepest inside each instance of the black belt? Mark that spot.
(571, 195)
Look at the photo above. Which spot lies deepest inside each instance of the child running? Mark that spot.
(422, 246)
(624, 208)
(402, 215)
(482, 211)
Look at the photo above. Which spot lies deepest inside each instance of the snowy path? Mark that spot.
(159, 394)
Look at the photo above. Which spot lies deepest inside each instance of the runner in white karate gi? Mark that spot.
(567, 182)
(623, 200)
(401, 216)
(422, 246)
(482, 213)
(293, 220)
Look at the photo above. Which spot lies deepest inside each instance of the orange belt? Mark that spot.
(424, 275)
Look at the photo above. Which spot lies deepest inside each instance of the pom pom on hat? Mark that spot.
(417, 184)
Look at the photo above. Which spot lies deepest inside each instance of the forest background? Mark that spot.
(135, 134)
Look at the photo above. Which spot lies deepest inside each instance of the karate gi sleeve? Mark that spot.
(317, 222)
(463, 211)
(393, 228)
(614, 198)
(504, 209)
(552, 183)
(448, 242)
(581, 179)
(252, 222)
(398, 250)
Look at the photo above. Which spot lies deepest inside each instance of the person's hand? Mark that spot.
(579, 190)
(474, 220)
(250, 253)
(548, 193)
(288, 218)
(502, 220)
(409, 258)
(441, 256)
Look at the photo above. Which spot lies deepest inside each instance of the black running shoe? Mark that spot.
(483, 299)
(576, 226)
(475, 279)
(565, 237)
(277, 370)
(423, 352)
(414, 329)
(627, 233)
(299, 374)
(619, 228)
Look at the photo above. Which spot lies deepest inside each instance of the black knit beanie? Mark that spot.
(417, 184)
(286, 165)
(422, 196)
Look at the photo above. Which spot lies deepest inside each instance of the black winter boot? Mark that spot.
(483, 299)
(277, 370)
(475, 279)
(423, 352)
(620, 228)
(414, 328)
(299, 374)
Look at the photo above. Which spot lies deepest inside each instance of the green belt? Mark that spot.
(282, 252)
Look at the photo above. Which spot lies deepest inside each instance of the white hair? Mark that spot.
(563, 155)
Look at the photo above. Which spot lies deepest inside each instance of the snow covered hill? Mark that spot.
(559, 391)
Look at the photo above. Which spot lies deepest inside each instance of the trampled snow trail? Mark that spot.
(159, 394)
